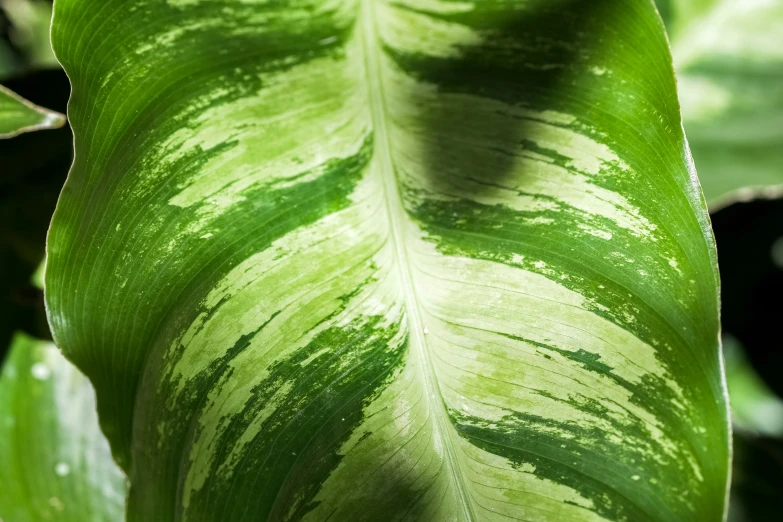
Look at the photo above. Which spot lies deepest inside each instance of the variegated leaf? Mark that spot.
(389, 260)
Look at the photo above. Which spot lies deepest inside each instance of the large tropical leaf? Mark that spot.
(729, 62)
(424, 260)
(17, 115)
(56, 464)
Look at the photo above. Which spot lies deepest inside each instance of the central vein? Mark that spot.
(399, 223)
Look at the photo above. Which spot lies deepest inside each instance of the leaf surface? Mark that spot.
(18, 115)
(431, 260)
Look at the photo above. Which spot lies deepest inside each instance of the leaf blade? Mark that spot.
(262, 278)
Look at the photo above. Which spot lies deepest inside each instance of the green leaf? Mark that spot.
(30, 27)
(56, 464)
(426, 260)
(18, 115)
(729, 64)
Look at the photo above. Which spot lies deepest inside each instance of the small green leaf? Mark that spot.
(55, 463)
(389, 260)
(18, 115)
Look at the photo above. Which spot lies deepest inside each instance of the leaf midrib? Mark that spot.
(397, 221)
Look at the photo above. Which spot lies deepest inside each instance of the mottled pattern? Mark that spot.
(18, 115)
(389, 260)
(56, 464)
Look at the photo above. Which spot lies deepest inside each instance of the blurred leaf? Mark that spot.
(9, 60)
(757, 477)
(56, 464)
(729, 60)
(754, 407)
(18, 115)
(757, 471)
(679, 14)
(31, 21)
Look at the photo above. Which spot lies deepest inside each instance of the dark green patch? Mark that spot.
(653, 394)
(498, 233)
(295, 450)
(591, 360)
(578, 461)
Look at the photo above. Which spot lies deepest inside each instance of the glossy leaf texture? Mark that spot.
(18, 115)
(729, 62)
(56, 464)
(409, 260)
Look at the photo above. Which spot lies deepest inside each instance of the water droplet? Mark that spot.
(40, 371)
(62, 469)
(635, 477)
(426, 330)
